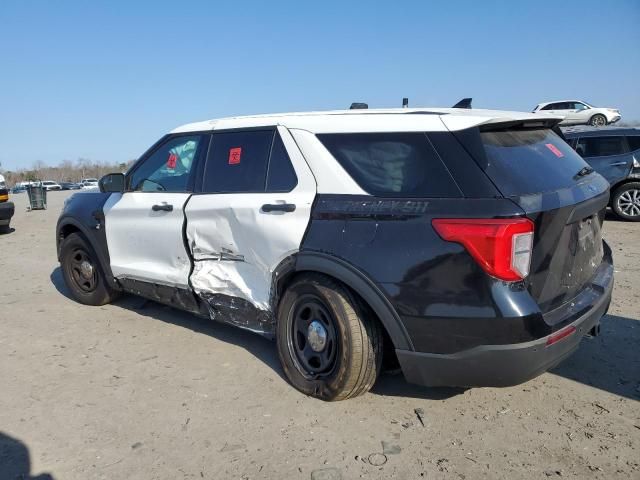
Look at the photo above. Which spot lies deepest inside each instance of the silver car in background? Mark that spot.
(577, 112)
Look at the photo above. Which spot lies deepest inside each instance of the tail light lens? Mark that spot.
(502, 247)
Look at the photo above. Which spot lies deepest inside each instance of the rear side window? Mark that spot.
(634, 142)
(600, 146)
(526, 161)
(237, 162)
(281, 176)
(392, 164)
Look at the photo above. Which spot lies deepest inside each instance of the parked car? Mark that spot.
(7, 208)
(51, 185)
(615, 154)
(18, 189)
(89, 183)
(466, 244)
(70, 186)
(576, 112)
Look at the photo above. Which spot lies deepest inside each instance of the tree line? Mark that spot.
(65, 171)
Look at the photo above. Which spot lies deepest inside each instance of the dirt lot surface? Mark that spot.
(136, 390)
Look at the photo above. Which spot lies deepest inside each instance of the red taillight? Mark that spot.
(560, 334)
(502, 247)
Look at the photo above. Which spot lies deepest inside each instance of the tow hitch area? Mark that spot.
(595, 331)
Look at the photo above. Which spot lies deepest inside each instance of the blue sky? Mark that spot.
(104, 80)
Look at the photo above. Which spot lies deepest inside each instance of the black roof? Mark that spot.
(573, 132)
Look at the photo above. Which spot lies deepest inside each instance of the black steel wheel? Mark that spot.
(82, 273)
(329, 342)
(312, 339)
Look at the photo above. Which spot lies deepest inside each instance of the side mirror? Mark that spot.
(112, 183)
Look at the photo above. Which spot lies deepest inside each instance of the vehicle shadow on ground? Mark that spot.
(610, 361)
(15, 462)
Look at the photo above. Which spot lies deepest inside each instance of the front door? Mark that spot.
(252, 213)
(144, 225)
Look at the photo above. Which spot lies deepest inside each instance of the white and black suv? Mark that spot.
(464, 244)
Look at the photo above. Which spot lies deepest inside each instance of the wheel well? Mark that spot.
(621, 183)
(65, 231)
(389, 359)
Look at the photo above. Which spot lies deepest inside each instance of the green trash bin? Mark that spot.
(37, 197)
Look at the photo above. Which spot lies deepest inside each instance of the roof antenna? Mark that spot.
(358, 106)
(405, 102)
(464, 103)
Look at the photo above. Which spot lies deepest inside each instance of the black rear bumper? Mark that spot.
(505, 365)
(6, 212)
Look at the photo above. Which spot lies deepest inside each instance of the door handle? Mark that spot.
(278, 207)
(164, 208)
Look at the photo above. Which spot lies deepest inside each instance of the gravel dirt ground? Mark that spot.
(135, 390)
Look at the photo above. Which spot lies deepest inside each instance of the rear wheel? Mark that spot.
(598, 120)
(626, 201)
(82, 273)
(329, 346)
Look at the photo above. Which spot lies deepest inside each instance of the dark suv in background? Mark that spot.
(615, 154)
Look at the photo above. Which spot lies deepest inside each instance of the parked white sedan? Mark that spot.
(576, 112)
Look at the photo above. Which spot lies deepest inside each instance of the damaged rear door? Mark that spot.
(250, 215)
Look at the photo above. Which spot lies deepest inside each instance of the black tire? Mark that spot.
(5, 228)
(625, 201)
(86, 285)
(350, 361)
(598, 120)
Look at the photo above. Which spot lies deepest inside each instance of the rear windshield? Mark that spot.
(392, 164)
(529, 161)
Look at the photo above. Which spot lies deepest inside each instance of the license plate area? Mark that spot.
(584, 253)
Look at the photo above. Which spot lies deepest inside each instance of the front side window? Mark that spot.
(392, 164)
(168, 168)
(600, 146)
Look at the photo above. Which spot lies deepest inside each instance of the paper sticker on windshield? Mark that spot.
(172, 161)
(234, 155)
(554, 150)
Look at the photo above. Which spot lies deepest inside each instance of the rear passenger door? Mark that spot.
(250, 213)
(608, 155)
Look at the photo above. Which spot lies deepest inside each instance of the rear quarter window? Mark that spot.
(392, 164)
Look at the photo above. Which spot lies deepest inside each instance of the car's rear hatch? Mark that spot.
(558, 191)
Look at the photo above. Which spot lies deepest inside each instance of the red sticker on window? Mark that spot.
(234, 155)
(172, 161)
(554, 150)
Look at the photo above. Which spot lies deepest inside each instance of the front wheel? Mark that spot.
(598, 120)
(82, 273)
(329, 344)
(626, 201)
